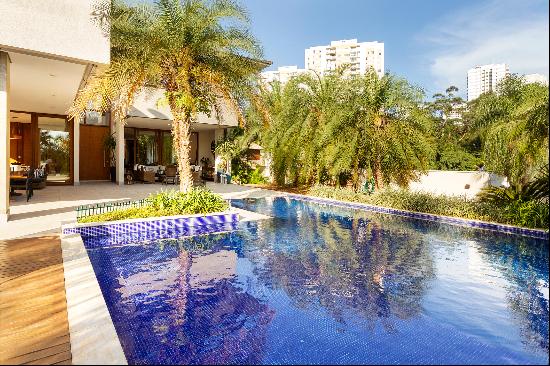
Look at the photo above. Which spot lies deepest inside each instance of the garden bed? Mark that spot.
(423, 202)
(165, 203)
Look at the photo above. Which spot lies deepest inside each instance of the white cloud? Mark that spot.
(509, 32)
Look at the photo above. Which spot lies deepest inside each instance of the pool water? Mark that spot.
(321, 284)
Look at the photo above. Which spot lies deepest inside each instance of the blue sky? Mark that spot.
(431, 43)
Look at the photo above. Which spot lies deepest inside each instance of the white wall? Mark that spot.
(54, 27)
(454, 183)
(146, 105)
(205, 139)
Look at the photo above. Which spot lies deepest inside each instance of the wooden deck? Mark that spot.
(33, 308)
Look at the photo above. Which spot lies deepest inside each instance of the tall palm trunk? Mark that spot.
(377, 173)
(182, 138)
(355, 175)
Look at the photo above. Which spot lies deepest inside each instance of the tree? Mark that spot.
(514, 128)
(200, 53)
(456, 143)
(291, 129)
(331, 128)
(383, 129)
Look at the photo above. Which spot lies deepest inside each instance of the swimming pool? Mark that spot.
(324, 284)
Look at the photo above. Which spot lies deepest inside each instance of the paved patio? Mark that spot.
(54, 205)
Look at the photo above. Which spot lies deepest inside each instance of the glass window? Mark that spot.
(168, 153)
(147, 147)
(55, 148)
(95, 118)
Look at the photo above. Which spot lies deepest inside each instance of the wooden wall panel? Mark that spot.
(93, 164)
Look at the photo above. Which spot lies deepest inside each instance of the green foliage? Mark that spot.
(201, 53)
(514, 125)
(525, 205)
(109, 144)
(339, 127)
(242, 172)
(452, 156)
(168, 203)
(256, 177)
(56, 147)
(529, 214)
(455, 142)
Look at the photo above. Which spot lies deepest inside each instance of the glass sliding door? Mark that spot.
(129, 148)
(168, 153)
(147, 147)
(55, 148)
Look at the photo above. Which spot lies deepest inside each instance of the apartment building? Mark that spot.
(360, 56)
(283, 74)
(485, 78)
(535, 78)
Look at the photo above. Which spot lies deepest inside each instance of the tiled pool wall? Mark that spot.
(540, 234)
(118, 228)
(141, 237)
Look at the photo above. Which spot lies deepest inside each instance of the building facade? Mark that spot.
(46, 56)
(535, 78)
(485, 78)
(360, 56)
(283, 74)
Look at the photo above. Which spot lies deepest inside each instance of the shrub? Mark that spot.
(527, 213)
(167, 203)
(533, 214)
(524, 205)
(240, 170)
(256, 177)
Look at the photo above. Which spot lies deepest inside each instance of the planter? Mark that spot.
(112, 174)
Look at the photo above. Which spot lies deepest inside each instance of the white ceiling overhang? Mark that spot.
(43, 85)
(163, 124)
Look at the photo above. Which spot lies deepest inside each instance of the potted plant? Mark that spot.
(109, 143)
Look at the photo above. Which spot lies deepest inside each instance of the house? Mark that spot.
(48, 51)
(259, 159)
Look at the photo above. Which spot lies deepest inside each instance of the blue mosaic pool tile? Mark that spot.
(121, 228)
(143, 237)
(540, 234)
(321, 284)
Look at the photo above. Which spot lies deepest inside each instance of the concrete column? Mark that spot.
(76, 151)
(4, 137)
(118, 127)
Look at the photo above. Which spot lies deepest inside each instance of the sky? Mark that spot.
(430, 42)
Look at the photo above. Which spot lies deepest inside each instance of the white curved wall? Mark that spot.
(454, 183)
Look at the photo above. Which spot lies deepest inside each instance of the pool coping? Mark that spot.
(93, 337)
(484, 225)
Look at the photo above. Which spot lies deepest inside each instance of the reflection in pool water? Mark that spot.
(320, 284)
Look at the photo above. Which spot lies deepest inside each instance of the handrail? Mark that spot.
(99, 208)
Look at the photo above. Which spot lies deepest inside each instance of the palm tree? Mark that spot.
(514, 128)
(200, 53)
(383, 129)
(335, 127)
(297, 114)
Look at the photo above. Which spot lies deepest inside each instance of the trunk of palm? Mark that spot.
(355, 175)
(377, 173)
(181, 135)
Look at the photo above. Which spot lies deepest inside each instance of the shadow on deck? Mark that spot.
(33, 310)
